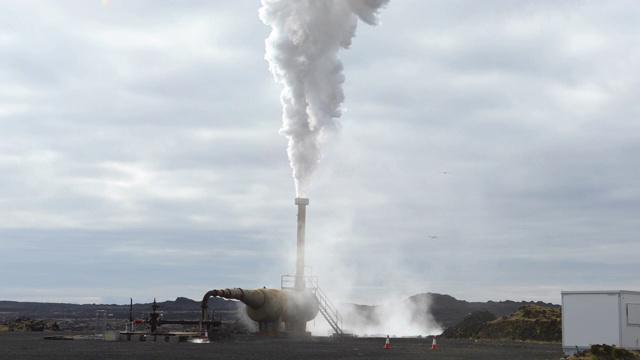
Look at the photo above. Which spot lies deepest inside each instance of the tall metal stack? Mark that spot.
(271, 307)
(302, 215)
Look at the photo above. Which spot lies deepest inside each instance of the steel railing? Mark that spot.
(326, 307)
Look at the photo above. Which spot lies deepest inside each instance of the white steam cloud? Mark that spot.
(302, 51)
(407, 318)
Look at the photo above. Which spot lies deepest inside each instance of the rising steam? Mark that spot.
(410, 317)
(302, 52)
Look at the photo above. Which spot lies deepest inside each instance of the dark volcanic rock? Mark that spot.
(605, 352)
(25, 324)
(470, 326)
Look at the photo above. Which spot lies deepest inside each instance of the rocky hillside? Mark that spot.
(449, 311)
(527, 323)
(470, 326)
(446, 310)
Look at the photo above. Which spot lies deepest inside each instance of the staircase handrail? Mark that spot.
(328, 310)
(332, 311)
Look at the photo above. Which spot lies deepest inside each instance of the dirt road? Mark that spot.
(23, 346)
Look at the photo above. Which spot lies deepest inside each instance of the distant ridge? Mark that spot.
(446, 310)
(178, 308)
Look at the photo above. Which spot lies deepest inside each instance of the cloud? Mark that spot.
(143, 137)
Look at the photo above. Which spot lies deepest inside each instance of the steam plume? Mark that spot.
(302, 51)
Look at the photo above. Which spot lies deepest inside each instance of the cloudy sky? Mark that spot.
(487, 150)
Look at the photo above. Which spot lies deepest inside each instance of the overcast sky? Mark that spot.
(488, 150)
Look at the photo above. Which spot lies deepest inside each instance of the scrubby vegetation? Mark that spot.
(26, 324)
(528, 323)
(604, 352)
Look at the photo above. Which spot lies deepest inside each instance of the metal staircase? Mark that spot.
(330, 313)
(326, 308)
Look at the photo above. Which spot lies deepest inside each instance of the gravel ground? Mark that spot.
(21, 346)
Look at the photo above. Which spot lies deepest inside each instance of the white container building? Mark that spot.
(600, 317)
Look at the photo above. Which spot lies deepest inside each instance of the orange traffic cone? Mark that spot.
(386, 344)
(433, 344)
